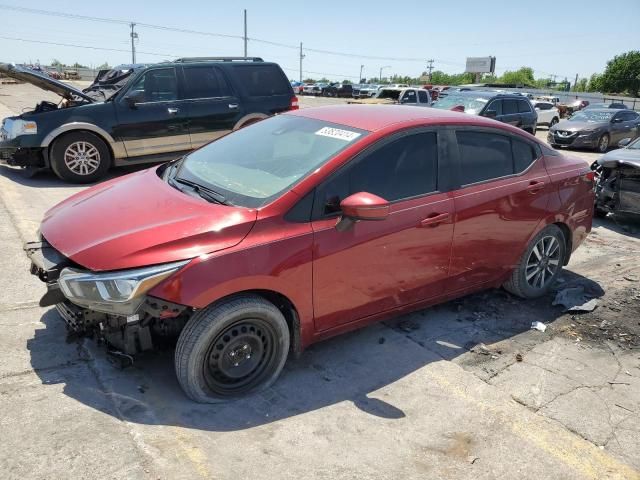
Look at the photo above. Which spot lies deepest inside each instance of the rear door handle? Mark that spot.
(535, 186)
(172, 110)
(435, 219)
(233, 106)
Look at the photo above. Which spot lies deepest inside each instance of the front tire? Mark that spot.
(80, 157)
(540, 265)
(231, 349)
(603, 143)
(554, 120)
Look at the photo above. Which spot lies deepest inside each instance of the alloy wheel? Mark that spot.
(603, 144)
(543, 262)
(82, 158)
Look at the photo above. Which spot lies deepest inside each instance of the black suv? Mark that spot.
(338, 90)
(511, 108)
(140, 113)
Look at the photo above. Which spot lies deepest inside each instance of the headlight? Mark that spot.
(13, 128)
(119, 293)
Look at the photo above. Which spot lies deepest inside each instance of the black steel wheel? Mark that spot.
(231, 348)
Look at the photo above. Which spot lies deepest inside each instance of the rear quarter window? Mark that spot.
(523, 106)
(262, 80)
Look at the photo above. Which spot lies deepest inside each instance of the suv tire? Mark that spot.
(80, 157)
(231, 348)
(540, 265)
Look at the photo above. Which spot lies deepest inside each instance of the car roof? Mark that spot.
(377, 117)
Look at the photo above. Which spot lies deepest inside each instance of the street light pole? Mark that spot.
(301, 57)
(245, 33)
(382, 68)
(360, 77)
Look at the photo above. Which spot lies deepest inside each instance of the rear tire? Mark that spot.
(231, 349)
(80, 157)
(540, 265)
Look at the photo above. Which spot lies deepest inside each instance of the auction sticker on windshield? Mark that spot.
(338, 133)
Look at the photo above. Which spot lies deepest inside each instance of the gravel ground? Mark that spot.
(462, 390)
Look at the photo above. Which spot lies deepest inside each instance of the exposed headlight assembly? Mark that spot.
(118, 293)
(14, 128)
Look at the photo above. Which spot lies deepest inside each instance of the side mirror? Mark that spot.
(133, 99)
(624, 142)
(362, 206)
(491, 114)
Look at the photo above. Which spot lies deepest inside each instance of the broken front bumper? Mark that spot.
(12, 153)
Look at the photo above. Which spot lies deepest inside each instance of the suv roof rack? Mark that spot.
(218, 59)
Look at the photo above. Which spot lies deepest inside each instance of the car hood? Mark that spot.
(140, 220)
(42, 81)
(566, 125)
(621, 156)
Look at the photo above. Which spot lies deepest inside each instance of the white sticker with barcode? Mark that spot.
(338, 133)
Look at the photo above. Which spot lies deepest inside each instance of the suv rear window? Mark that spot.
(523, 106)
(263, 80)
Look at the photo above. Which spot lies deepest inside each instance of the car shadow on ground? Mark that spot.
(349, 368)
(627, 225)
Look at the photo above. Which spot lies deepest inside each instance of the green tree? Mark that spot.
(347, 82)
(308, 80)
(594, 84)
(523, 76)
(581, 86)
(622, 74)
(104, 66)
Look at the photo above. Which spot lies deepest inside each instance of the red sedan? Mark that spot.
(307, 225)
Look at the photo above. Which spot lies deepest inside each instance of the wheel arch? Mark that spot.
(286, 307)
(566, 233)
(116, 150)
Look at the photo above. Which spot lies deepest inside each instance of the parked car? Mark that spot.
(365, 91)
(510, 108)
(418, 97)
(158, 113)
(548, 115)
(618, 180)
(314, 89)
(595, 129)
(614, 105)
(338, 90)
(304, 226)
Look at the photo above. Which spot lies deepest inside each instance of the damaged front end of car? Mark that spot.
(111, 306)
(618, 184)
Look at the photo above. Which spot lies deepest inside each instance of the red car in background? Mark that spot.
(307, 225)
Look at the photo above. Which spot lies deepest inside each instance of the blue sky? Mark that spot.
(560, 38)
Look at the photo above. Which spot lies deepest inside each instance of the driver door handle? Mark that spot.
(233, 106)
(535, 186)
(173, 110)
(435, 219)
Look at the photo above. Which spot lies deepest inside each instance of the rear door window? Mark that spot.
(423, 96)
(483, 156)
(524, 154)
(523, 106)
(262, 80)
(509, 107)
(205, 82)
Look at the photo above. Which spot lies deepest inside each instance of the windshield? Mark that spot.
(591, 116)
(255, 164)
(471, 103)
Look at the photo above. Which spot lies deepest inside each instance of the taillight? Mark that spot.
(590, 176)
(294, 103)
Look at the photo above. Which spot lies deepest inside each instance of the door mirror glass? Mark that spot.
(490, 113)
(362, 206)
(624, 142)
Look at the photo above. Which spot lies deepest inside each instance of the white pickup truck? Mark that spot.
(418, 97)
(547, 112)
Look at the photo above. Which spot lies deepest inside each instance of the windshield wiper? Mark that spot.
(205, 192)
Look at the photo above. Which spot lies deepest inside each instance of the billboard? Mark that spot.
(481, 65)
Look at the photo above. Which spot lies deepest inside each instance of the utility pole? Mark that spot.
(245, 33)
(301, 57)
(360, 77)
(575, 84)
(382, 68)
(134, 36)
(430, 68)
